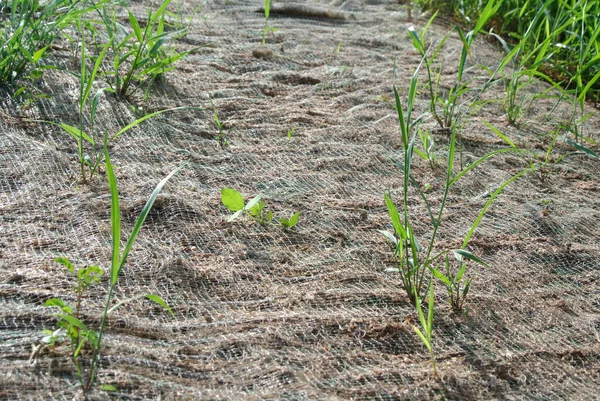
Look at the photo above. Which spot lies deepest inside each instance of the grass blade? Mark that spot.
(144, 213)
(115, 218)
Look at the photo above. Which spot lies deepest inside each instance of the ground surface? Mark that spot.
(305, 314)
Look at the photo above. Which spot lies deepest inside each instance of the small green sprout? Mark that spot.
(291, 222)
(427, 152)
(427, 326)
(255, 209)
(260, 214)
(457, 291)
(221, 136)
(69, 320)
(267, 28)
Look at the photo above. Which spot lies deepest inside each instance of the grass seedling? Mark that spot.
(413, 259)
(426, 331)
(428, 144)
(86, 80)
(84, 134)
(69, 319)
(119, 258)
(221, 136)
(456, 283)
(447, 106)
(267, 28)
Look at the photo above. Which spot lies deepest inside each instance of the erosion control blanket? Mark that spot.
(307, 313)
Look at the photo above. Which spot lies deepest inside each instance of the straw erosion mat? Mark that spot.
(315, 311)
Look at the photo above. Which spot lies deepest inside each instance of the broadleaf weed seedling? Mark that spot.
(255, 209)
(69, 320)
(291, 222)
(234, 201)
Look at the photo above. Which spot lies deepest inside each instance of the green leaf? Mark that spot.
(489, 202)
(38, 54)
(91, 79)
(257, 209)
(136, 27)
(421, 154)
(391, 270)
(144, 213)
(390, 237)
(294, 219)
(76, 133)
(108, 387)
(441, 277)
(66, 263)
(159, 300)
(582, 148)
(459, 254)
(414, 242)
(417, 44)
(420, 310)
(461, 272)
(254, 201)
(115, 218)
(430, 311)
(161, 10)
(500, 134)
(73, 321)
(395, 217)
(284, 222)
(146, 117)
(422, 337)
(235, 216)
(466, 289)
(95, 101)
(58, 303)
(232, 199)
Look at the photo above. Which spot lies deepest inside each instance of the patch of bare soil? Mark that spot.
(303, 314)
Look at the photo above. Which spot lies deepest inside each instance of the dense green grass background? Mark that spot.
(570, 27)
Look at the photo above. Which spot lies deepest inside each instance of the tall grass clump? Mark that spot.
(416, 258)
(139, 55)
(572, 28)
(27, 29)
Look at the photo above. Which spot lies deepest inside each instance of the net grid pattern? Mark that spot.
(304, 314)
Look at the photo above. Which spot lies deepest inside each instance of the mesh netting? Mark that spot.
(308, 313)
